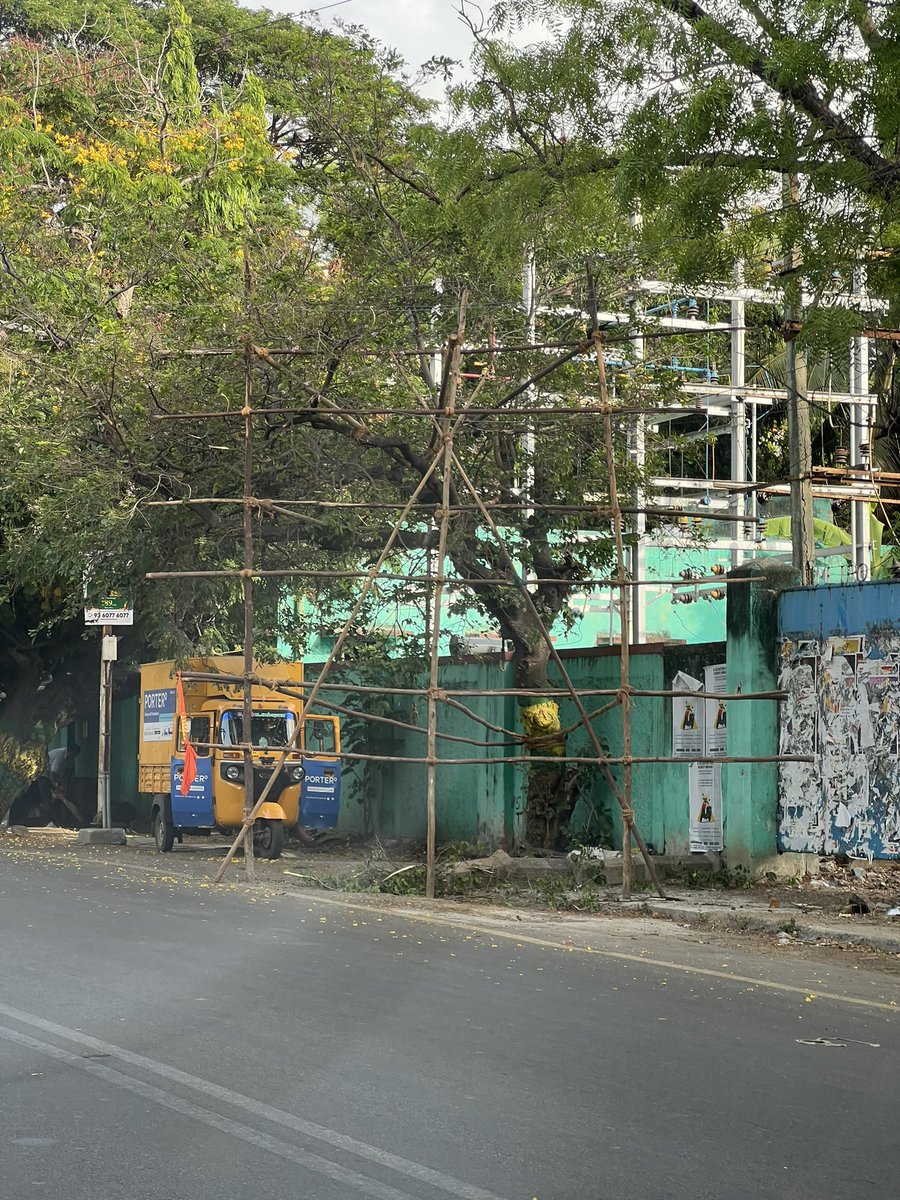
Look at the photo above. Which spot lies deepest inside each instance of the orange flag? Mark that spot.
(189, 771)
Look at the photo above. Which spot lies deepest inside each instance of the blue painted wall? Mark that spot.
(840, 667)
(833, 610)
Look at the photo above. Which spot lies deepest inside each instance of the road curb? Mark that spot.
(754, 921)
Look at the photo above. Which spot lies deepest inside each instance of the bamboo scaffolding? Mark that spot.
(449, 388)
(447, 419)
(385, 553)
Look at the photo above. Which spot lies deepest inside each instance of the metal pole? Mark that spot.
(454, 351)
(107, 656)
(247, 580)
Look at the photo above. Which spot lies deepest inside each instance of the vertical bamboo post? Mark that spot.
(454, 351)
(624, 623)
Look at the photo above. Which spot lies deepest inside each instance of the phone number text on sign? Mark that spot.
(109, 616)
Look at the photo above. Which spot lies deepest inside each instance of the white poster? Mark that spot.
(705, 789)
(716, 714)
(687, 718)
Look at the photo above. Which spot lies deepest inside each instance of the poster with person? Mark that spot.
(705, 791)
(715, 679)
(687, 717)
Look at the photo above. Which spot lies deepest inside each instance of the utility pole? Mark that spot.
(803, 552)
(247, 589)
(108, 654)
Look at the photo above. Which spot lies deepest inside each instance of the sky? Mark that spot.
(418, 29)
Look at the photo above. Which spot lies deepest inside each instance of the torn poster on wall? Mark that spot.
(700, 730)
(843, 709)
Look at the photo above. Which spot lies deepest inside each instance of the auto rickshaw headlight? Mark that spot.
(296, 774)
(233, 772)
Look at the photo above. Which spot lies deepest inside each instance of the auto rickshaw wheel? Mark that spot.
(268, 837)
(163, 832)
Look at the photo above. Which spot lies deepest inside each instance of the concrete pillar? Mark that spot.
(750, 790)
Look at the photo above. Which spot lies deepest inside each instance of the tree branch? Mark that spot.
(883, 174)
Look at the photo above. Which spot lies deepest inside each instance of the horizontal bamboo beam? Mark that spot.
(453, 580)
(528, 759)
(359, 414)
(635, 334)
(291, 687)
(706, 514)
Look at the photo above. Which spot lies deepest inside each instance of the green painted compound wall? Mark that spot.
(483, 802)
(750, 790)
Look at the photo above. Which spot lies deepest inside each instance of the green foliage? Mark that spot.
(183, 181)
(181, 85)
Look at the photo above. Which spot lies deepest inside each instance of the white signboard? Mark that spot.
(109, 616)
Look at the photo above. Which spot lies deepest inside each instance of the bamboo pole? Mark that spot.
(624, 624)
(630, 335)
(286, 686)
(577, 584)
(593, 510)
(446, 445)
(559, 413)
(526, 760)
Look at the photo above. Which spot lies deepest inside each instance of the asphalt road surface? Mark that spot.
(161, 1040)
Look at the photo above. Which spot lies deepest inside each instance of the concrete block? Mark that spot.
(102, 837)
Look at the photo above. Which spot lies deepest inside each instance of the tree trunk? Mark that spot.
(549, 800)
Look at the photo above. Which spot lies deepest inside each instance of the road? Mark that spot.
(162, 1040)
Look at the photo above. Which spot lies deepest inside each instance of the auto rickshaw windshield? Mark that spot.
(267, 728)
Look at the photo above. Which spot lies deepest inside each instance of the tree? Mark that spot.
(124, 205)
(700, 113)
(140, 185)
